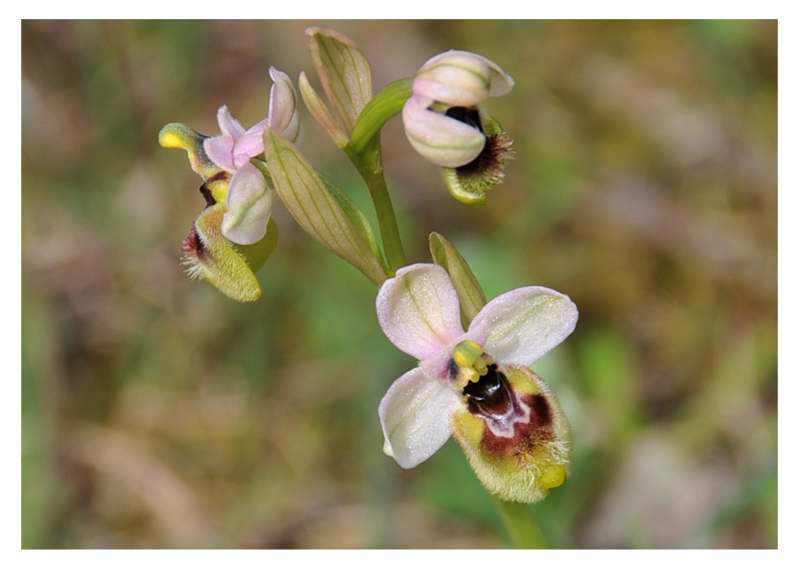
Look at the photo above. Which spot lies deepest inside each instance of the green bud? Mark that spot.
(344, 72)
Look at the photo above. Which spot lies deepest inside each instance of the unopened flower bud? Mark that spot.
(446, 123)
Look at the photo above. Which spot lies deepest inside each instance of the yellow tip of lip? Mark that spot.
(553, 476)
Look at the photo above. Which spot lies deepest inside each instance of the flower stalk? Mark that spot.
(370, 166)
(523, 529)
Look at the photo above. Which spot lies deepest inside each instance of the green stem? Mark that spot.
(370, 166)
(383, 106)
(363, 149)
(524, 531)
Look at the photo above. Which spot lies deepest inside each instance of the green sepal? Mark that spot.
(470, 293)
(470, 183)
(319, 110)
(357, 218)
(325, 214)
(178, 135)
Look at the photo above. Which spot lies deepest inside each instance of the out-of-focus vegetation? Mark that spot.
(158, 413)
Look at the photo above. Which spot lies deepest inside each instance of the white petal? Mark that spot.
(283, 116)
(522, 325)
(442, 140)
(461, 79)
(227, 124)
(416, 416)
(418, 310)
(249, 204)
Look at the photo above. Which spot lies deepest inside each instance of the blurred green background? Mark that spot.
(158, 413)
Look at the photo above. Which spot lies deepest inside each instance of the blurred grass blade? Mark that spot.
(470, 293)
(322, 211)
(344, 71)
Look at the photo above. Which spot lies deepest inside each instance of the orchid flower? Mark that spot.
(446, 123)
(249, 200)
(206, 253)
(234, 235)
(476, 384)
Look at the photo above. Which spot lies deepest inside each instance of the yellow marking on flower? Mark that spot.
(522, 383)
(219, 190)
(178, 135)
(472, 362)
(552, 476)
(468, 427)
(467, 353)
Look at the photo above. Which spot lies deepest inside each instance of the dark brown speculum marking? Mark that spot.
(542, 414)
(209, 198)
(216, 177)
(466, 116)
(206, 192)
(493, 399)
(495, 151)
(491, 395)
(193, 245)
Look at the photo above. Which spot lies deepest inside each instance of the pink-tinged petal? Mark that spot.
(441, 139)
(522, 325)
(227, 124)
(461, 79)
(438, 364)
(249, 204)
(418, 310)
(283, 116)
(248, 146)
(416, 417)
(220, 150)
(258, 128)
